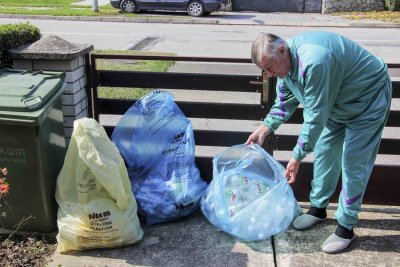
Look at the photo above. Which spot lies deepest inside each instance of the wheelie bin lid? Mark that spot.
(24, 95)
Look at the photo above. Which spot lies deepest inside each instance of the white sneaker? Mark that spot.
(306, 221)
(335, 244)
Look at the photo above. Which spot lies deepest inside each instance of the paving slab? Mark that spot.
(377, 241)
(192, 241)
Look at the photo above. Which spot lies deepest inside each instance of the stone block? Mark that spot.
(73, 110)
(56, 65)
(73, 99)
(74, 87)
(84, 103)
(72, 76)
(69, 120)
(81, 61)
(82, 81)
(67, 141)
(69, 124)
(68, 132)
(23, 64)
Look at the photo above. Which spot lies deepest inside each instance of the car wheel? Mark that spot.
(195, 8)
(128, 6)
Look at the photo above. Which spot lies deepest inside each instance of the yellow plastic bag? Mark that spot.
(97, 208)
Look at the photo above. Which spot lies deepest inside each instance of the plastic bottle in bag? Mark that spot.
(156, 140)
(249, 196)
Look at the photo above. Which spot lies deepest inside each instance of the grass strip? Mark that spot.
(129, 65)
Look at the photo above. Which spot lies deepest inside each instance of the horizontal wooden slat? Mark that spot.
(383, 186)
(170, 80)
(205, 166)
(209, 138)
(109, 130)
(393, 120)
(389, 146)
(395, 92)
(114, 106)
(396, 89)
(297, 117)
(219, 138)
(192, 109)
(287, 142)
(95, 56)
(222, 110)
(378, 191)
(393, 65)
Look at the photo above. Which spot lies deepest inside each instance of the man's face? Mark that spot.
(276, 67)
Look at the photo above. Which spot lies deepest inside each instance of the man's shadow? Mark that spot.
(191, 241)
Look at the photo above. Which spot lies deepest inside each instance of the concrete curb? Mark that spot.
(174, 20)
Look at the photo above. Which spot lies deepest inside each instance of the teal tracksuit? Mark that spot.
(346, 94)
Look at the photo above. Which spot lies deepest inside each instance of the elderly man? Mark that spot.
(346, 94)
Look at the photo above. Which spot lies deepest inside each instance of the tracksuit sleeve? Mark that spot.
(283, 108)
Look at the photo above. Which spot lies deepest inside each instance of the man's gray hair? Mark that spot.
(266, 45)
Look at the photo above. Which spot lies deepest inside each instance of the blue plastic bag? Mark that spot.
(249, 197)
(156, 141)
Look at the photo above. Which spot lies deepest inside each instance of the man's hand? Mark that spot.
(258, 136)
(291, 170)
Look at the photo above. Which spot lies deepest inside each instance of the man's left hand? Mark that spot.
(291, 170)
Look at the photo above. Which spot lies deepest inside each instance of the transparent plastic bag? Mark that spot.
(156, 140)
(249, 196)
(96, 206)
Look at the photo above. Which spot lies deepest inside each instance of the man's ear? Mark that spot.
(282, 51)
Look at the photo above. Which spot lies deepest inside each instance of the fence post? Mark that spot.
(53, 53)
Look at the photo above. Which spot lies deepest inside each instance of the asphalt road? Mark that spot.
(203, 39)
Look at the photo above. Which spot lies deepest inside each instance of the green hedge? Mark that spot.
(16, 35)
(392, 5)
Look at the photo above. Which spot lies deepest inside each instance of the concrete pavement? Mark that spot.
(193, 241)
(377, 241)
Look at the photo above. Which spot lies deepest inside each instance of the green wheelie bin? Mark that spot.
(32, 147)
